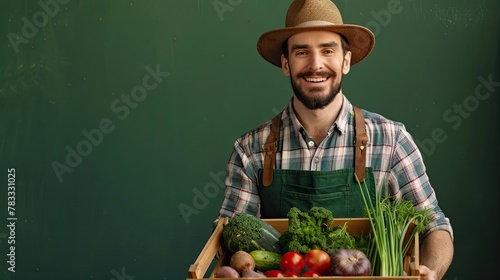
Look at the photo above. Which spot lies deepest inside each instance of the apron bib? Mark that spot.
(337, 190)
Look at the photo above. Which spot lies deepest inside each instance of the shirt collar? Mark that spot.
(345, 115)
(293, 117)
(341, 124)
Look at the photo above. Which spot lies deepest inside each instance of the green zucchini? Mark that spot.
(270, 240)
(266, 260)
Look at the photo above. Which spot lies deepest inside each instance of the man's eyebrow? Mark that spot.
(322, 45)
(296, 47)
(329, 44)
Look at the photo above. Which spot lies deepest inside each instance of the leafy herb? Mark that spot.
(312, 230)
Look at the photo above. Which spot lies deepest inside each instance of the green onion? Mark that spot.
(390, 220)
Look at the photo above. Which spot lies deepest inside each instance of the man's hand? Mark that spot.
(426, 273)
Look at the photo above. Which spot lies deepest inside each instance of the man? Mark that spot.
(317, 149)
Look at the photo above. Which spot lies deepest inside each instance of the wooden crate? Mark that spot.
(355, 226)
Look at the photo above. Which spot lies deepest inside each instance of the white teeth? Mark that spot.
(315, 80)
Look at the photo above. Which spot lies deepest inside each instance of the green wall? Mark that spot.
(125, 167)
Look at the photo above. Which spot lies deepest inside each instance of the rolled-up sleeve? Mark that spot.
(409, 181)
(241, 194)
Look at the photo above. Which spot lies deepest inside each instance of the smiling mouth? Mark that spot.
(316, 79)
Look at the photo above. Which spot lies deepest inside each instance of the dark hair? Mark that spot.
(345, 46)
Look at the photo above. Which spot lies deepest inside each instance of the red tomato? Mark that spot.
(318, 260)
(274, 273)
(292, 262)
(310, 273)
(292, 274)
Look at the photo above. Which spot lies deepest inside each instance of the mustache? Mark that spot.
(316, 73)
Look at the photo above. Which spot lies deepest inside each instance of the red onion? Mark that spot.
(350, 262)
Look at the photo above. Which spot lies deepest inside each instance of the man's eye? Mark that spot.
(329, 51)
(300, 53)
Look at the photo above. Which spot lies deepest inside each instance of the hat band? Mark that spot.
(315, 23)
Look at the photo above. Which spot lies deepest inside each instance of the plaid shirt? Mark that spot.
(391, 153)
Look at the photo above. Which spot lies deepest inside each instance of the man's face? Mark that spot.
(315, 65)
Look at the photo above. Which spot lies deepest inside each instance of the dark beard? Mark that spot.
(320, 102)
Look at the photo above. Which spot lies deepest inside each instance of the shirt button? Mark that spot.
(311, 143)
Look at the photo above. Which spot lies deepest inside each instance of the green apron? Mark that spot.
(335, 190)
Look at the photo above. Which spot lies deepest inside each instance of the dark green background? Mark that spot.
(116, 215)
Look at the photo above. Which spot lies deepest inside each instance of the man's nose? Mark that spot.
(315, 61)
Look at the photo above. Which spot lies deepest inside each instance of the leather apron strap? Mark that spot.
(270, 148)
(361, 139)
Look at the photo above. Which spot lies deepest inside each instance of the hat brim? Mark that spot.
(361, 40)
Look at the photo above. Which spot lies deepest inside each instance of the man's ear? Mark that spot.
(285, 66)
(347, 63)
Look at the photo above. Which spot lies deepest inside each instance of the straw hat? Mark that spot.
(315, 15)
